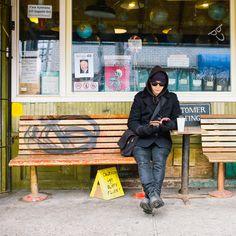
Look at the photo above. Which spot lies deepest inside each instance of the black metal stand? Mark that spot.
(183, 192)
(185, 164)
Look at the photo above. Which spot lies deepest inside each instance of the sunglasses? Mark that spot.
(157, 83)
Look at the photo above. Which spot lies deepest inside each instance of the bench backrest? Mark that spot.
(70, 134)
(220, 135)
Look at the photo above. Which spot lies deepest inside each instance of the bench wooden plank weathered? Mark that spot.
(68, 140)
(219, 145)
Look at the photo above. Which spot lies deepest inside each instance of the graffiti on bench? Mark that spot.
(58, 139)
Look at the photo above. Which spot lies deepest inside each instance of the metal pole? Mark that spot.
(185, 164)
(9, 144)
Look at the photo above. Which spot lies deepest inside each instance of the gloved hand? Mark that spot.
(146, 130)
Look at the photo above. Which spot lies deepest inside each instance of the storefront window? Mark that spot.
(39, 47)
(116, 43)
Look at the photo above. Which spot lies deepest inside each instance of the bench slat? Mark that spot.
(53, 146)
(218, 138)
(71, 134)
(218, 132)
(67, 160)
(69, 117)
(218, 116)
(71, 128)
(69, 140)
(218, 149)
(221, 157)
(219, 127)
(219, 121)
(75, 122)
(219, 144)
(90, 151)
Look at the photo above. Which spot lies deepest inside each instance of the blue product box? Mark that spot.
(214, 69)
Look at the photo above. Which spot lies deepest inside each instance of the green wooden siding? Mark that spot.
(74, 177)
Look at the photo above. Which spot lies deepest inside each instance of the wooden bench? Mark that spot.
(68, 140)
(219, 145)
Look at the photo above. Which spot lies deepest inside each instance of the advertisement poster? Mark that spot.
(83, 64)
(117, 73)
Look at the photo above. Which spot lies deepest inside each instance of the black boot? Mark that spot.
(145, 205)
(156, 201)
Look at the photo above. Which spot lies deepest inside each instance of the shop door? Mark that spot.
(5, 93)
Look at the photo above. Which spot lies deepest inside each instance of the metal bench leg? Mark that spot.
(35, 196)
(221, 192)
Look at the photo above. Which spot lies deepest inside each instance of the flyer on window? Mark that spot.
(83, 65)
(30, 66)
(117, 73)
(50, 83)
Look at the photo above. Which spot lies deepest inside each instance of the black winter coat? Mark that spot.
(141, 113)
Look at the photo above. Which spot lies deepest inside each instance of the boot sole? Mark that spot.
(157, 204)
(146, 208)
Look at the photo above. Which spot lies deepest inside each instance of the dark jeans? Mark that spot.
(151, 167)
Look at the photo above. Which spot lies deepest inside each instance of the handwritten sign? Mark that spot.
(192, 112)
(107, 184)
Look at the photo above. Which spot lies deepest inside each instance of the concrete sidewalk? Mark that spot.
(74, 213)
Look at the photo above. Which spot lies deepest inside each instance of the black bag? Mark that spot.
(127, 142)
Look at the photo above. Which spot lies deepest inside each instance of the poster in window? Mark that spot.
(30, 66)
(50, 83)
(117, 73)
(83, 64)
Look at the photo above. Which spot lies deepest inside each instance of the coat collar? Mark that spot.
(148, 98)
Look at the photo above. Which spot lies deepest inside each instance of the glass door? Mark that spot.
(5, 94)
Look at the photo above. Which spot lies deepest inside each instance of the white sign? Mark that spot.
(83, 63)
(39, 11)
(29, 70)
(135, 44)
(179, 60)
(50, 84)
(117, 60)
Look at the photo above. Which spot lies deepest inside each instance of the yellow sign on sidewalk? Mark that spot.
(107, 184)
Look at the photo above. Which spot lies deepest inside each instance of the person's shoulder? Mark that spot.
(138, 94)
(172, 95)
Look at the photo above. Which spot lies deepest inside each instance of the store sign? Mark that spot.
(192, 112)
(39, 11)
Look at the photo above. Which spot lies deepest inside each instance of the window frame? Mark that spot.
(66, 94)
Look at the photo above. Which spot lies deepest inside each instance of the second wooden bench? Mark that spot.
(219, 145)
